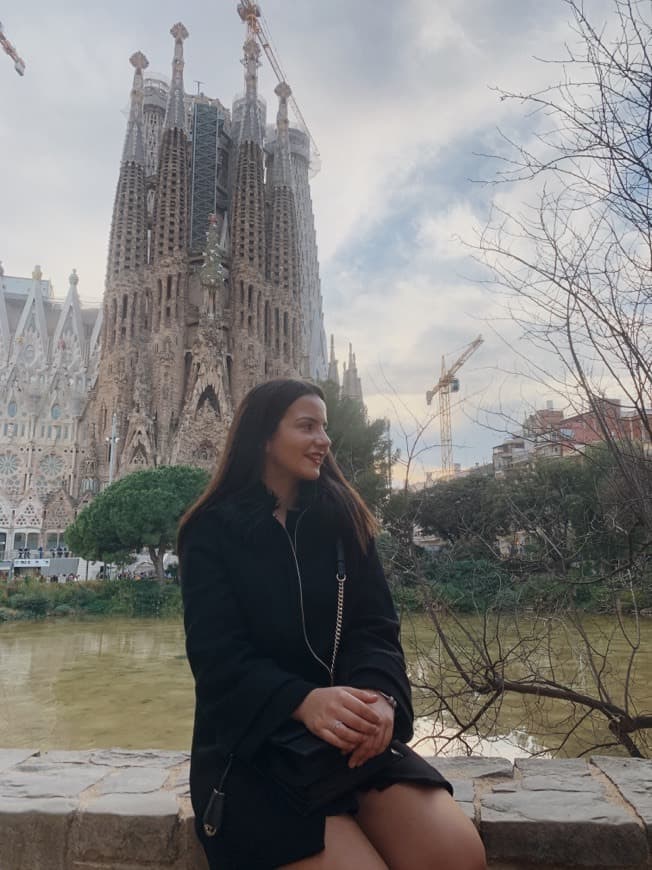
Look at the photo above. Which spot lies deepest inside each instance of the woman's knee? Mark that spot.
(437, 834)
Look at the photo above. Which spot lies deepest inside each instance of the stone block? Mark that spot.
(557, 828)
(464, 790)
(564, 774)
(139, 780)
(12, 757)
(137, 828)
(633, 779)
(67, 756)
(39, 778)
(463, 767)
(138, 758)
(33, 834)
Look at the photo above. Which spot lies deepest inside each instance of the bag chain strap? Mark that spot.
(338, 623)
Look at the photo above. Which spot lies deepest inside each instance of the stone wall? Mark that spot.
(130, 810)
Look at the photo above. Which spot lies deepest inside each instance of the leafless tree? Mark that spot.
(574, 267)
(575, 262)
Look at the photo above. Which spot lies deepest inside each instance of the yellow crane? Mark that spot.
(257, 27)
(448, 383)
(19, 63)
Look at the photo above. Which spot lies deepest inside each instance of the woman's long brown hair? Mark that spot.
(242, 462)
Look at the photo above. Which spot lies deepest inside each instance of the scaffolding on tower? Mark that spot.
(208, 181)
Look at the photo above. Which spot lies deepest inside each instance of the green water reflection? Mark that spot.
(126, 682)
(77, 685)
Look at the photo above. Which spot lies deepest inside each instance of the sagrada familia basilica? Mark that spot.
(212, 285)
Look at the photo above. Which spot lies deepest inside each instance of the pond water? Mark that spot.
(125, 682)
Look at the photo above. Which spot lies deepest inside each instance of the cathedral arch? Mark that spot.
(209, 397)
(139, 456)
(29, 514)
(206, 452)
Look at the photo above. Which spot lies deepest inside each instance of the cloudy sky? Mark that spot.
(399, 97)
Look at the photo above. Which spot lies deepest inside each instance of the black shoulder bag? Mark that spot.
(311, 772)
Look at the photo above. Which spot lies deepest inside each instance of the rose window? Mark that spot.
(51, 465)
(8, 464)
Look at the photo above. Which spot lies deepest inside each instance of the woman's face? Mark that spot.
(298, 447)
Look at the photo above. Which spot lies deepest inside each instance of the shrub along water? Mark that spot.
(33, 598)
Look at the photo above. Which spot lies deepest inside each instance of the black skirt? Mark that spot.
(295, 836)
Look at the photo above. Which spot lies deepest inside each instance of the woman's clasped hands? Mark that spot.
(359, 722)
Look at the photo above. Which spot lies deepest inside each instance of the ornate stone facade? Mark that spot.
(212, 285)
(49, 352)
(188, 332)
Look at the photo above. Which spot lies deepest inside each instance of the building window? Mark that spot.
(55, 411)
(12, 408)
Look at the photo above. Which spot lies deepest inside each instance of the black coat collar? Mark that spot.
(250, 512)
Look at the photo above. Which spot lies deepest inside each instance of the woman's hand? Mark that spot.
(373, 744)
(341, 715)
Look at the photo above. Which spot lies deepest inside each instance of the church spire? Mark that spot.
(283, 245)
(282, 165)
(171, 210)
(351, 384)
(252, 125)
(134, 147)
(333, 371)
(175, 115)
(128, 241)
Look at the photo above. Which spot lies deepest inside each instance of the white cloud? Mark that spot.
(446, 235)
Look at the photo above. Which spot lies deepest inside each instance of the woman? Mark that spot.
(257, 566)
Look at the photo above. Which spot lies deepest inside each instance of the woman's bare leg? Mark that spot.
(419, 828)
(345, 846)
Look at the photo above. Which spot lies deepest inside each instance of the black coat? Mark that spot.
(250, 662)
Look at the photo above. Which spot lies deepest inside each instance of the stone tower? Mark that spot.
(187, 332)
(126, 296)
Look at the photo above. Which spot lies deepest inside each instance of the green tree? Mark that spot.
(362, 448)
(139, 510)
(469, 511)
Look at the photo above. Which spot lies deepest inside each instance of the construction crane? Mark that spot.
(19, 63)
(257, 27)
(448, 383)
